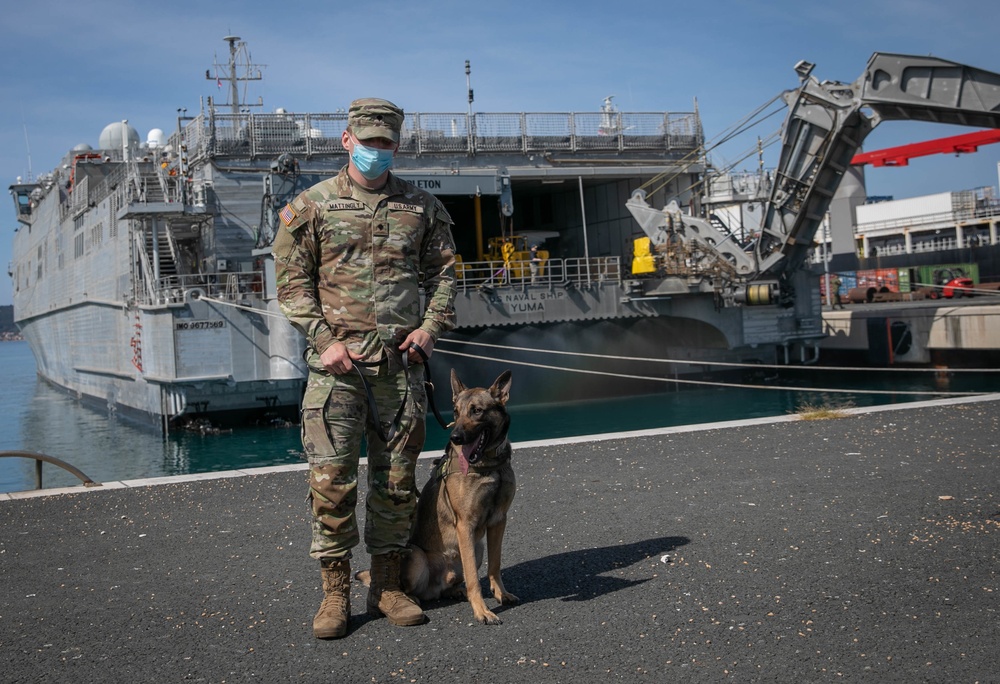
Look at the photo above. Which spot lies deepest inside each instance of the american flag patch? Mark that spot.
(287, 215)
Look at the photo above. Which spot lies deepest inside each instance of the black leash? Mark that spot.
(373, 405)
(428, 384)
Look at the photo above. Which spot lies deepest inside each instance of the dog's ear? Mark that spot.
(456, 384)
(500, 389)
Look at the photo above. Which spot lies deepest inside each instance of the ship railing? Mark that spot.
(551, 273)
(228, 286)
(262, 135)
(143, 290)
(947, 219)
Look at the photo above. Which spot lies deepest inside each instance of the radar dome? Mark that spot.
(82, 147)
(114, 135)
(156, 138)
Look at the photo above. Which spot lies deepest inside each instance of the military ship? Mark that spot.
(142, 276)
(143, 280)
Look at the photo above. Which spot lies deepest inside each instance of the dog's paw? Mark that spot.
(488, 618)
(507, 598)
(501, 594)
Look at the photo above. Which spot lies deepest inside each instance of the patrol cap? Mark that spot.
(370, 117)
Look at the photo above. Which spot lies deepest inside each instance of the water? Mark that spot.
(37, 417)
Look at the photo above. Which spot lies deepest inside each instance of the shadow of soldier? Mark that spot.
(582, 575)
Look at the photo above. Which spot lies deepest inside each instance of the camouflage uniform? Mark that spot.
(349, 262)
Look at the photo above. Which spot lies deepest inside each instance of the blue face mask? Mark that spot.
(371, 161)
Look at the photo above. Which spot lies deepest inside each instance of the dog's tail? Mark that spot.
(364, 576)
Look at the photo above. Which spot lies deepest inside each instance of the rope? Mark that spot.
(223, 302)
(712, 383)
(765, 143)
(741, 126)
(729, 364)
(964, 290)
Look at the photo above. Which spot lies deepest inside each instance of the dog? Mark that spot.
(465, 503)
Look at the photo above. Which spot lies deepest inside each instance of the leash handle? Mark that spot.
(420, 351)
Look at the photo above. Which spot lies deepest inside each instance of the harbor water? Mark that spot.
(37, 417)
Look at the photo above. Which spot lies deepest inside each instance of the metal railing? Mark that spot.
(229, 286)
(254, 135)
(971, 214)
(42, 458)
(550, 273)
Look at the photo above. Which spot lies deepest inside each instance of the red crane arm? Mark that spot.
(901, 156)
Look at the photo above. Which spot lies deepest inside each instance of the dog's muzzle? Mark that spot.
(471, 451)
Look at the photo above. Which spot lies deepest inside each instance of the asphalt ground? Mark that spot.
(852, 549)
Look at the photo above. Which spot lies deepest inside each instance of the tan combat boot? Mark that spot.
(331, 620)
(385, 597)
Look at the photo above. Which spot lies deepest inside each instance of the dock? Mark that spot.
(860, 548)
(916, 332)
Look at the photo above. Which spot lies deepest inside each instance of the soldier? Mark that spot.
(351, 254)
(835, 284)
(534, 264)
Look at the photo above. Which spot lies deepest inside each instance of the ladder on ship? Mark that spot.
(163, 253)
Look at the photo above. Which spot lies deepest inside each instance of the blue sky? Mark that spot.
(69, 69)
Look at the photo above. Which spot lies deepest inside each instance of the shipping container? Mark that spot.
(848, 280)
(928, 276)
(887, 278)
(904, 280)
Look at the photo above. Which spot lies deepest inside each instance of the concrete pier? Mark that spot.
(914, 332)
(860, 548)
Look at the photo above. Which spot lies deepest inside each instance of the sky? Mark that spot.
(69, 69)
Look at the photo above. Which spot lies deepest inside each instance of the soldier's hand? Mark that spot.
(338, 359)
(422, 338)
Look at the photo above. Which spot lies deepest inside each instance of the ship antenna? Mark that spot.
(27, 146)
(468, 86)
(234, 91)
(233, 76)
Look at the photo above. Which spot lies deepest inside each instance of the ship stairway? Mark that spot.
(166, 251)
(146, 185)
(720, 226)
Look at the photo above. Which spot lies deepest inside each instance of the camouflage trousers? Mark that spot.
(335, 417)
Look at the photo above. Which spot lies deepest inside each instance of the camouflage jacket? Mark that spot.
(349, 264)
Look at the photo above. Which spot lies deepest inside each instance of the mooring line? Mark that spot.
(967, 291)
(730, 364)
(824, 390)
(223, 302)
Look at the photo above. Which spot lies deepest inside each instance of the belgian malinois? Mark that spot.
(464, 501)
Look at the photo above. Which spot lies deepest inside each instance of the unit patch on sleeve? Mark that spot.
(287, 215)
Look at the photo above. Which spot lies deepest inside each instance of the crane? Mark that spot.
(901, 155)
(826, 124)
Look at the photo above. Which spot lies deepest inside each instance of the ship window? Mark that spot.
(23, 204)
